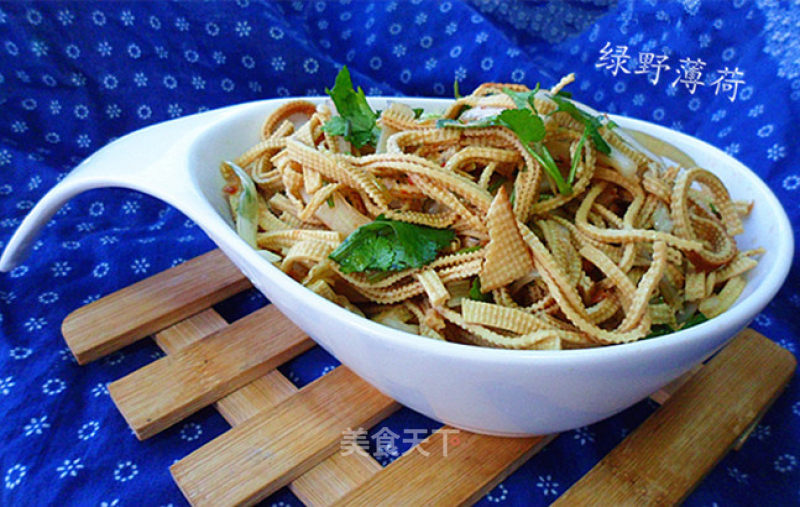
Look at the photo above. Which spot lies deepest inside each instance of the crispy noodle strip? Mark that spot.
(434, 288)
(718, 303)
(283, 113)
(320, 196)
(537, 340)
(694, 227)
(502, 317)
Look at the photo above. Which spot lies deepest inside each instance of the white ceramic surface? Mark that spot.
(504, 392)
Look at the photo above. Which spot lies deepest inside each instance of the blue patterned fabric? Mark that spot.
(75, 75)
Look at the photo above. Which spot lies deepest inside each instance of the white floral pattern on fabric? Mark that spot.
(36, 426)
(69, 468)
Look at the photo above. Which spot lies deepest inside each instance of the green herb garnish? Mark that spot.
(523, 99)
(356, 120)
(529, 128)
(418, 112)
(591, 123)
(390, 245)
(475, 291)
(526, 123)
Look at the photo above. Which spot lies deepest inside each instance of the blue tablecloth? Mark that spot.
(75, 75)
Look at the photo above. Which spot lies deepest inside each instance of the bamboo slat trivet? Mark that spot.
(331, 478)
(284, 435)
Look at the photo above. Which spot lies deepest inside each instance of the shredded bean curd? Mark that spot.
(516, 218)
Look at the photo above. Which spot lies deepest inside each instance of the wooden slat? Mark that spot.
(150, 305)
(173, 387)
(260, 394)
(189, 331)
(322, 485)
(333, 478)
(273, 448)
(460, 474)
(662, 461)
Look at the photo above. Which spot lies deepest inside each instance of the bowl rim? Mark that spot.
(734, 318)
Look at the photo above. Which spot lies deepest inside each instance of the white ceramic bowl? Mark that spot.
(504, 392)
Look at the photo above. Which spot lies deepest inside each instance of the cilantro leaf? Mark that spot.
(338, 126)
(390, 245)
(590, 123)
(564, 93)
(356, 121)
(529, 128)
(523, 99)
(475, 291)
(418, 112)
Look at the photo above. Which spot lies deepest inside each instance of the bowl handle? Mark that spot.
(152, 160)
